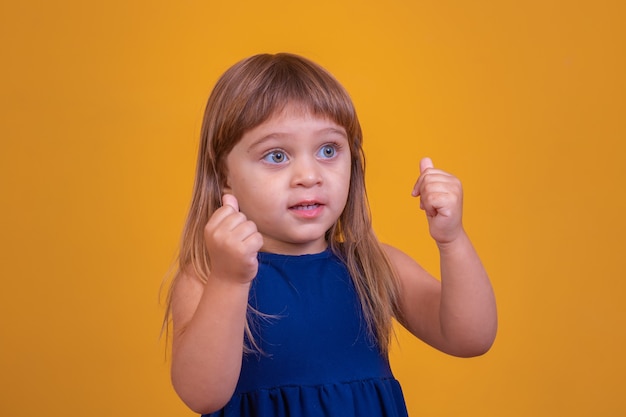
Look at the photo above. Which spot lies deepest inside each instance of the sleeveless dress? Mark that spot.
(317, 358)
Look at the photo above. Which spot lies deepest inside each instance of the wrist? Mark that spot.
(225, 283)
(458, 242)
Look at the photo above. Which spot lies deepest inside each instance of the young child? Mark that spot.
(284, 298)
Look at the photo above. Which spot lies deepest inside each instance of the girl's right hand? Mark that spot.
(233, 243)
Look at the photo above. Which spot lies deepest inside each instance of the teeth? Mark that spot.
(306, 207)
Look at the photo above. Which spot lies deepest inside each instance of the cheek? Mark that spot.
(343, 182)
(257, 200)
(347, 172)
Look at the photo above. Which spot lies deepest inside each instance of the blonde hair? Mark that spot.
(246, 95)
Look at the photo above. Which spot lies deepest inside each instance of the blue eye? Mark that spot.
(275, 157)
(328, 151)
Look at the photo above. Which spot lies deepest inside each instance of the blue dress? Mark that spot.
(317, 358)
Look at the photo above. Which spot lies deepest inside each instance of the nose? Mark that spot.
(306, 173)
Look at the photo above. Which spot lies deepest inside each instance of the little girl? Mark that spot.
(284, 298)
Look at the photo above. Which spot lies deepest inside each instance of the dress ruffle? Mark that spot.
(370, 397)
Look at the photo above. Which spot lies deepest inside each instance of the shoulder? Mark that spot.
(403, 264)
(186, 282)
(392, 252)
(186, 291)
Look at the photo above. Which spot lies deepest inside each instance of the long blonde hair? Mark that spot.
(245, 96)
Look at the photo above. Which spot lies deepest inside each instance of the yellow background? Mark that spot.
(100, 110)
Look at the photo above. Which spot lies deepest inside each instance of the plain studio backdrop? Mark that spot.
(100, 112)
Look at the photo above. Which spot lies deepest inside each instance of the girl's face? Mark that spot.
(291, 176)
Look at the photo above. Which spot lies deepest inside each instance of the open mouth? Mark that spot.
(311, 206)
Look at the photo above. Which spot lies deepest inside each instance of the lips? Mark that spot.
(308, 209)
(310, 206)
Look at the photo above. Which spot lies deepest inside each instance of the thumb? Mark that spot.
(230, 200)
(425, 163)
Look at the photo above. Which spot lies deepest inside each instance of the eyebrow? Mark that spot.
(280, 135)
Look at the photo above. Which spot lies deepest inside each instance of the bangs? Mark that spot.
(283, 79)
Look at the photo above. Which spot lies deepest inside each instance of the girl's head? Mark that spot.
(250, 93)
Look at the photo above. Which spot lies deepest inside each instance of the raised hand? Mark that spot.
(233, 243)
(441, 197)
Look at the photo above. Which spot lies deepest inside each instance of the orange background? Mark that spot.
(524, 101)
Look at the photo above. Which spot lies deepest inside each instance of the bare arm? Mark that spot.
(456, 315)
(209, 319)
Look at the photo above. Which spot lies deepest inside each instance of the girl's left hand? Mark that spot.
(441, 197)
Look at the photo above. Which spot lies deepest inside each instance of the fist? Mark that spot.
(233, 243)
(441, 197)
